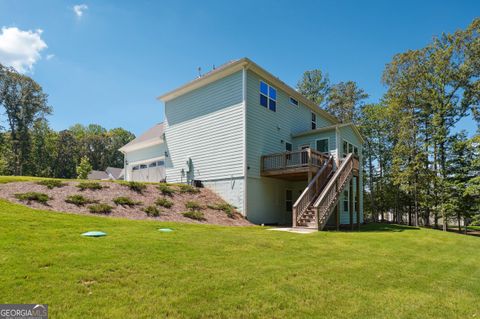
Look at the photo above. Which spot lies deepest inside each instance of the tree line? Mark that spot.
(28, 146)
(417, 165)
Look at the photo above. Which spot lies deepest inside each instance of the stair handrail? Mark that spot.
(331, 191)
(311, 191)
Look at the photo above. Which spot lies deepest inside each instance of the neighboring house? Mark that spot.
(260, 145)
(111, 173)
(144, 156)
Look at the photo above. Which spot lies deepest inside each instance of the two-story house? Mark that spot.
(259, 144)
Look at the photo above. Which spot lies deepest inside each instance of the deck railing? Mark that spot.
(313, 189)
(329, 197)
(293, 159)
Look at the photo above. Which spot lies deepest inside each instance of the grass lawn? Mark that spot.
(384, 271)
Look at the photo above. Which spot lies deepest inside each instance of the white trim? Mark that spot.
(150, 160)
(245, 167)
(300, 147)
(237, 66)
(328, 143)
(140, 145)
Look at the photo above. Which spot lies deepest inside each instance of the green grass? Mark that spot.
(204, 271)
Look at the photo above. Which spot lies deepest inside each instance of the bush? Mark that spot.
(152, 211)
(79, 200)
(194, 214)
(33, 196)
(164, 202)
(227, 208)
(51, 183)
(125, 201)
(166, 189)
(100, 209)
(84, 168)
(135, 186)
(185, 188)
(89, 185)
(192, 205)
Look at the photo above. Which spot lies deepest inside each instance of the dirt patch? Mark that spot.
(113, 190)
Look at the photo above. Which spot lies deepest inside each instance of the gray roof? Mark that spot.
(114, 171)
(98, 175)
(152, 133)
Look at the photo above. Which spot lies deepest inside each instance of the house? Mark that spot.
(144, 156)
(111, 173)
(260, 145)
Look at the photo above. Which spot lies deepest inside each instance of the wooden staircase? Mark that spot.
(317, 202)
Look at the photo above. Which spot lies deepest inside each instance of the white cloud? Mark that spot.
(20, 49)
(50, 56)
(79, 9)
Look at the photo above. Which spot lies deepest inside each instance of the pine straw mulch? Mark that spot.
(113, 190)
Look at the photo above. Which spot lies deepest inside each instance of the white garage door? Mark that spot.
(149, 172)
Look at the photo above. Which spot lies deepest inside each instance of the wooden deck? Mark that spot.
(295, 165)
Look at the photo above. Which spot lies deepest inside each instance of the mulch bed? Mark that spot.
(113, 190)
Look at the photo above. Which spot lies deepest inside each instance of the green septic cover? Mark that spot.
(166, 230)
(94, 234)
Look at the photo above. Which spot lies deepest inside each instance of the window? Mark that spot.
(160, 163)
(154, 164)
(322, 145)
(345, 201)
(143, 166)
(293, 101)
(288, 200)
(135, 168)
(268, 96)
(349, 148)
(314, 121)
(288, 146)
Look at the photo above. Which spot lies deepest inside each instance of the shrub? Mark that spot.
(185, 188)
(164, 202)
(79, 200)
(33, 196)
(227, 208)
(192, 205)
(89, 185)
(100, 208)
(51, 183)
(135, 186)
(152, 211)
(125, 201)
(84, 168)
(166, 189)
(194, 214)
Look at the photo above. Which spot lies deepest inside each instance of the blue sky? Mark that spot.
(108, 61)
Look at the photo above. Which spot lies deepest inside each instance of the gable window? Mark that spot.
(288, 200)
(314, 121)
(322, 145)
(349, 148)
(293, 101)
(268, 96)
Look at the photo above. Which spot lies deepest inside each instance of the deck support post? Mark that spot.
(357, 204)
(350, 202)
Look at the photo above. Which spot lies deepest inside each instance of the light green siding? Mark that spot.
(311, 140)
(206, 125)
(267, 132)
(145, 153)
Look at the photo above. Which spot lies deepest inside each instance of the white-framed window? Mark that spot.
(268, 96)
(322, 145)
(154, 164)
(349, 148)
(135, 168)
(288, 147)
(293, 101)
(345, 201)
(143, 166)
(160, 163)
(314, 121)
(288, 200)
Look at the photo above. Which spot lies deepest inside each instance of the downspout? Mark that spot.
(245, 167)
